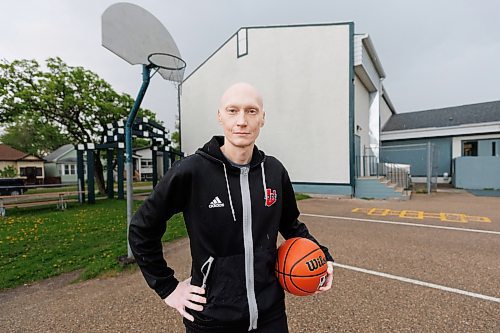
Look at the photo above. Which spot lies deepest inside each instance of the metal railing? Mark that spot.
(369, 166)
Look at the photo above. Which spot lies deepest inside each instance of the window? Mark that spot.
(22, 172)
(242, 42)
(469, 148)
(69, 169)
(146, 164)
(38, 172)
(493, 149)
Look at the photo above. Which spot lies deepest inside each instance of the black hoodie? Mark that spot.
(233, 216)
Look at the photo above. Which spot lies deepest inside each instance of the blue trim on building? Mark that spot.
(352, 157)
(477, 172)
(414, 152)
(318, 188)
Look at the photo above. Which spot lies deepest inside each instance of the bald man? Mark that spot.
(235, 200)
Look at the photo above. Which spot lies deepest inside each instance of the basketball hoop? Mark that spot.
(138, 37)
(166, 61)
(171, 67)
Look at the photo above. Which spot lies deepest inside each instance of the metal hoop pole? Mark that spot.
(128, 146)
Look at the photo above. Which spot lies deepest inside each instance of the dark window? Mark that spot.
(470, 148)
(39, 172)
(493, 149)
(22, 172)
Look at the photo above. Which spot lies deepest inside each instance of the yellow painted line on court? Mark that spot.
(421, 215)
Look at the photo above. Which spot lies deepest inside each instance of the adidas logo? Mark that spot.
(216, 203)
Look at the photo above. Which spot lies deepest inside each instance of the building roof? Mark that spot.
(59, 152)
(370, 48)
(7, 153)
(446, 117)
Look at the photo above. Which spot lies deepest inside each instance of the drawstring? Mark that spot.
(229, 192)
(205, 275)
(264, 181)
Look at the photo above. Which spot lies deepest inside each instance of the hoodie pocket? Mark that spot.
(226, 288)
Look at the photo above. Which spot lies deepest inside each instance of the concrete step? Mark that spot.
(380, 188)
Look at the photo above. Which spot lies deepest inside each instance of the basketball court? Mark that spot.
(393, 274)
(407, 270)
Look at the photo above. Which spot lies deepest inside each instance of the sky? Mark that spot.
(435, 53)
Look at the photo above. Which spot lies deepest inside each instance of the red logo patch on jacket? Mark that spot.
(270, 197)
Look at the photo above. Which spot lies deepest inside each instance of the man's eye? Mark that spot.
(252, 111)
(231, 110)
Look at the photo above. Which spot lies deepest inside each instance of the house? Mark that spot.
(323, 97)
(62, 163)
(29, 167)
(466, 140)
(143, 163)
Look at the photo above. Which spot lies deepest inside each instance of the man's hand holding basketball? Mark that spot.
(183, 297)
(329, 278)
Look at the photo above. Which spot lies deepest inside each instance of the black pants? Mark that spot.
(278, 326)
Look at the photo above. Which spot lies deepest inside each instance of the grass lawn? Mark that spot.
(39, 243)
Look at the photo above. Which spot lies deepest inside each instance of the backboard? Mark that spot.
(134, 34)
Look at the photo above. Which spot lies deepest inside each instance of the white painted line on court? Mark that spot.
(420, 283)
(402, 223)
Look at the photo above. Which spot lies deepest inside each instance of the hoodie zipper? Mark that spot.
(248, 244)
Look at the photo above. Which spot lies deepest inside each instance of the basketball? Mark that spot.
(301, 266)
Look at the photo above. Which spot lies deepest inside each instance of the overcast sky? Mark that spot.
(436, 53)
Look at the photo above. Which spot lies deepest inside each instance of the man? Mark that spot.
(235, 200)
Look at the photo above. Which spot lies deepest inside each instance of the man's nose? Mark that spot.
(241, 120)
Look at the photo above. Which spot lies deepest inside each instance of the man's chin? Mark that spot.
(242, 143)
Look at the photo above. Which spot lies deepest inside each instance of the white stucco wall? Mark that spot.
(303, 74)
(361, 113)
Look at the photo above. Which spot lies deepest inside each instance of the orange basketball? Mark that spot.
(301, 266)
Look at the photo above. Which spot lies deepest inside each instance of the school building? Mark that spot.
(466, 140)
(323, 97)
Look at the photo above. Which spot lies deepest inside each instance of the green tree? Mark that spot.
(33, 137)
(8, 172)
(74, 101)
(176, 138)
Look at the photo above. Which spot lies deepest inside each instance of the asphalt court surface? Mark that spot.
(413, 250)
(449, 274)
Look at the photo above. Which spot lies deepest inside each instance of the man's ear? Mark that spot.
(218, 117)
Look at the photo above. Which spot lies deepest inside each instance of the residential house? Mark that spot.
(29, 167)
